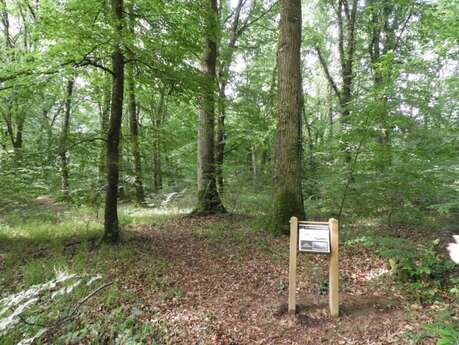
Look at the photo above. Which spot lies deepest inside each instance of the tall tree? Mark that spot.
(287, 189)
(158, 114)
(133, 118)
(12, 116)
(104, 114)
(227, 49)
(208, 197)
(111, 225)
(346, 17)
(63, 150)
(235, 25)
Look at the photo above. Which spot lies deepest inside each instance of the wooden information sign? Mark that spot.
(314, 238)
(319, 238)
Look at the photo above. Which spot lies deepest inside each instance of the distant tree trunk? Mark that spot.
(63, 153)
(254, 161)
(384, 22)
(14, 128)
(220, 139)
(330, 113)
(287, 189)
(134, 122)
(347, 53)
(19, 130)
(311, 177)
(346, 23)
(227, 52)
(104, 122)
(208, 197)
(111, 225)
(15, 134)
(157, 123)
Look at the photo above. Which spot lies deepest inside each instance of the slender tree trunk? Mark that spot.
(347, 49)
(104, 122)
(287, 189)
(134, 122)
(157, 123)
(19, 130)
(208, 197)
(111, 225)
(254, 161)
(63, 153)
(227, 52)
(330, 113)
(220, 139)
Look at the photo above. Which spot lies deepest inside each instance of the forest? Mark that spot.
(153, 152)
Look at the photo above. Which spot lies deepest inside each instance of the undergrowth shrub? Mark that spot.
(424, 273)
(444, 329)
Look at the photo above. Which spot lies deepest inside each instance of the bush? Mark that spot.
(424, 272)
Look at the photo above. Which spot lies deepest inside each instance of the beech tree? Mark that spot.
(111, 225)
(287, 200)
(208, 197)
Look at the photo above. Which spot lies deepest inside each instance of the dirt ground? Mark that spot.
(233, 290)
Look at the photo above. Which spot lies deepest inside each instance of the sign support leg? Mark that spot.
(292, 266)
(333, 269)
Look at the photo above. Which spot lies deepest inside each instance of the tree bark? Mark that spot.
(63, 154)
(111, 225)
(134, 123)
(209, 201)
(287, 187)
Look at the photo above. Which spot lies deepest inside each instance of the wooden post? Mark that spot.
(292, 266)
(333, 268)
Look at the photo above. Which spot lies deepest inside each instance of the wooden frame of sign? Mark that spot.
(314, 239)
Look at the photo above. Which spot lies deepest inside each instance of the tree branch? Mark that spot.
(327, 74)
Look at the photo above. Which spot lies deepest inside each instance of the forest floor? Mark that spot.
(181, 280)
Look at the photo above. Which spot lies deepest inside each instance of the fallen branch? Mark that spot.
(80, 303)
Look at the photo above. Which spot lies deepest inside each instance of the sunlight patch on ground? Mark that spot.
(376, 273)
(145, 212)
(13, 306)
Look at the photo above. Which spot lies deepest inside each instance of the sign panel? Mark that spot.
(314, 238)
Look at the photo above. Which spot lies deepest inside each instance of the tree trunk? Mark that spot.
(287, 189)
(209, 201)
(220, 139)
(63, 154)
(254, 161)
(134, 124)
(347, 49)
(157, 123)
(111, 225)
(227, 52)
(104, 122)
(384, 23)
